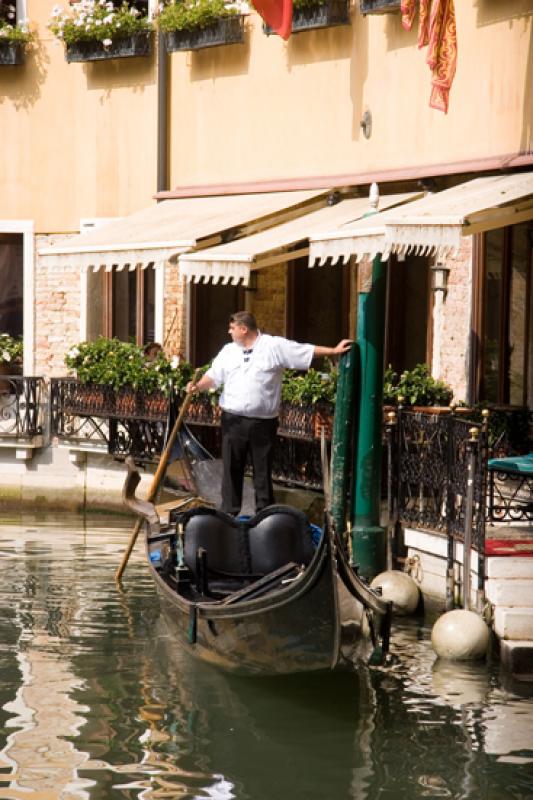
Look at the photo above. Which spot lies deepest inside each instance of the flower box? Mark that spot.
(202, 411)
(379, 6)
(11, 53)
(139, 44)
(324, 15)
(306, 421)
(226, 30)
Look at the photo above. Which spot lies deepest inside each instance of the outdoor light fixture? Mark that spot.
(366, 124)
(439, 282)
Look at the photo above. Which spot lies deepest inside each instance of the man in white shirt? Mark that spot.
(250, 370)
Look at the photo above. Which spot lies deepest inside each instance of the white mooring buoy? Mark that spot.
(460, 635)
(400, 588)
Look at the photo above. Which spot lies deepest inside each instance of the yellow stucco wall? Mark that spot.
(81, 138)
(269, 109)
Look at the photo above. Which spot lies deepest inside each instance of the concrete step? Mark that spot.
(510, 592)
(517, 657)
(514, 623)
(509, 567)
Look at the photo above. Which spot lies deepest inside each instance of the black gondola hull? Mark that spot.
(313, 623)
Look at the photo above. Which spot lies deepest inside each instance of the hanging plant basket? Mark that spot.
(379, 6)
(225, 30)
(324, 15)
(11, 53)
(139, 44)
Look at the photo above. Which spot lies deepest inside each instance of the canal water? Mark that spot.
(97, 702)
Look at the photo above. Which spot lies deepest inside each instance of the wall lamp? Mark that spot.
(439, 282)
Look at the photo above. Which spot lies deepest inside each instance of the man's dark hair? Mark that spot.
(244, 318)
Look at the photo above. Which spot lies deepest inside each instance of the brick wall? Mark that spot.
(57, 312)
(452, 341)
(268, 302)
(175, 316)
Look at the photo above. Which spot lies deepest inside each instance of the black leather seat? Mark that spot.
(253, 547)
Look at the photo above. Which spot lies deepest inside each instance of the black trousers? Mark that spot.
(240, 436)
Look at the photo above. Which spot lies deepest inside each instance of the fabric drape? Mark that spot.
(437, 30)
(277, 14)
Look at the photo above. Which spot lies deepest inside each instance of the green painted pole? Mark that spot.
(341, 446)
(369, 539)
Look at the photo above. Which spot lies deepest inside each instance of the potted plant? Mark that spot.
(311, 14)
(11, 351)
(94, 30)
(418, 388)
(308, 403)
(10, 360)
(195, 24)
(118, 377)
(14, 38)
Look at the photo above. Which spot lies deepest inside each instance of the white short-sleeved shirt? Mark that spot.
(251, 380)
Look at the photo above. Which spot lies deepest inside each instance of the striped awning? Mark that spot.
(234, 261)
(435, 224)
(163, 231)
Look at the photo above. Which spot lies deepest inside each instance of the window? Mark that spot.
(211, 307)
(502, 319)
(11, 283)
(12, 11)
(8, 12)
(318, 303)
(130, 307)
(408, 315)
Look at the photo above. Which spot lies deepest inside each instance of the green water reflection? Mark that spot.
(96, 702)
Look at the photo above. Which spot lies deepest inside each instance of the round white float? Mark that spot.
(460, 635)
(400, 588)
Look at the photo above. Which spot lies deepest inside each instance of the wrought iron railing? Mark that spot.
(429, 454)
(21, 407)
(125, 421)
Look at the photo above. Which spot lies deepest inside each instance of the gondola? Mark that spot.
(259, 595)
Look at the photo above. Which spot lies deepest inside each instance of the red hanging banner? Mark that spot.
(277, 14)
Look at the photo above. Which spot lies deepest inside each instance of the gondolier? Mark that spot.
(250, 370)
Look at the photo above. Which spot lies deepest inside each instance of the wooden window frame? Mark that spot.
(107, 309)
(478, 323)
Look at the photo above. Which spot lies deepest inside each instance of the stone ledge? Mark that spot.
(514, 592)
(514, 623)
(517, 657)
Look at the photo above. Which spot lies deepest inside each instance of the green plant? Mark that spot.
(416, 386)
(97, 20)
(309, 388)
(181, 15)
(11, 348)
(117, 364)
(13, 32)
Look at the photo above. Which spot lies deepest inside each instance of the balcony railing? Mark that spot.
(125, 421)
(21, 407)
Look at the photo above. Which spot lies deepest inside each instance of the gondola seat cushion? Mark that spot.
(255, 546)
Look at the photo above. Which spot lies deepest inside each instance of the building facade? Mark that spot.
(101, 163)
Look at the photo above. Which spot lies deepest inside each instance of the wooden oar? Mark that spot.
(158, 476)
